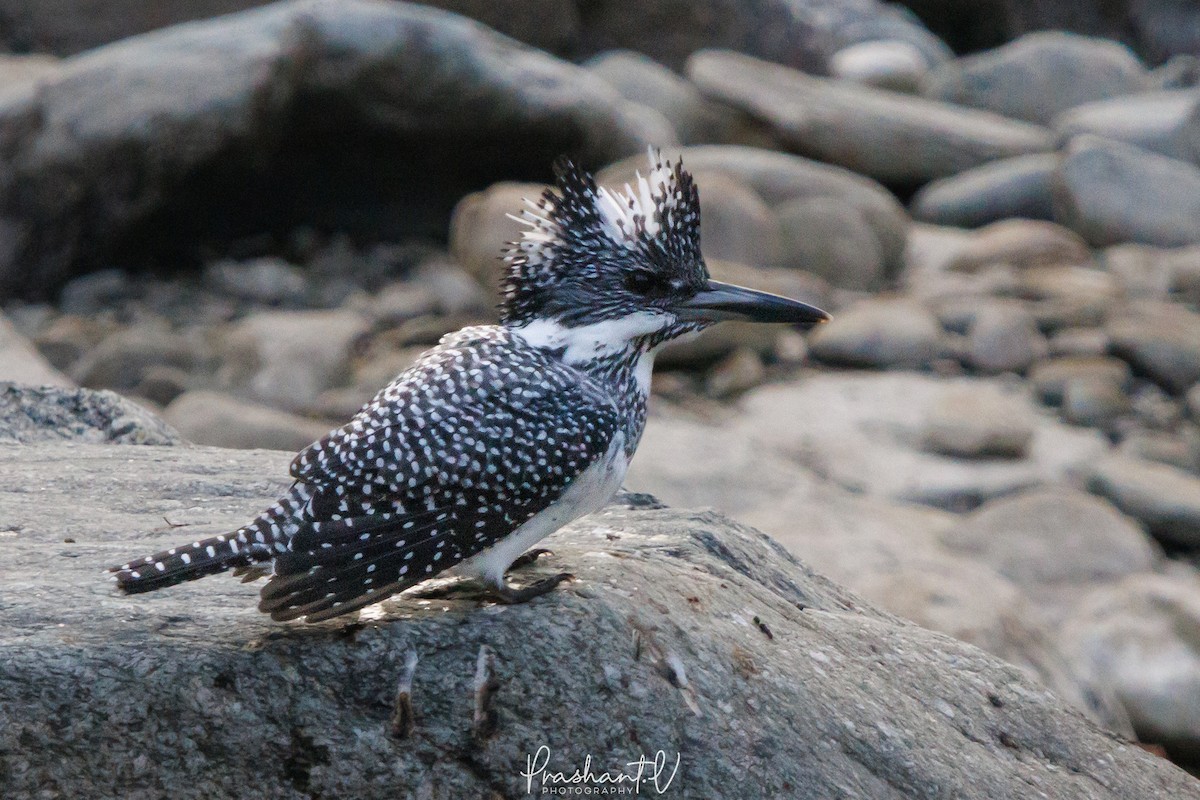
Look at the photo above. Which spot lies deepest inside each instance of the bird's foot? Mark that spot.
(504, 594)
(507, 595)
(529, 557)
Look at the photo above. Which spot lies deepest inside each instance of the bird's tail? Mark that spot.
(257, 542)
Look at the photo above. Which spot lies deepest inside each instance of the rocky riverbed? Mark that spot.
(249, 224)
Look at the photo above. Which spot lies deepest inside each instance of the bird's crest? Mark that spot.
(580, 233)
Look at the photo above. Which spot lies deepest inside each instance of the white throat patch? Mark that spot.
(599, 339)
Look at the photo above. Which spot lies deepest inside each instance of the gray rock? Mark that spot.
(1155, 30)
(887, 551)
(781, 178)
(480, 230)
(1003, 339)
(20, 362)
(1193, 402)
(735, 223)
(219, 420)
(739, 371)
(1181, 450)
(1038, 75)
(643, 80)
(1078, 342)
(1050, 377)
(1161, 340)
(1144, 272)
(891, 137)
(95, 292)
(1021, 186)
(67, 337)
(1110, 192)
(688, 585)
(36, 414)
(268, 280)
(1066, 296)
(123, 358)
(1096, 402)
(806, 36)
(451, 288)
(865, 432)
(1051, 538)
(287, 358)
(928, 253)
(1138, 639)
(162, 384)
(832, 240)
(390, 74)
(898, 66)
(1155, 409)
(1180, 71)
(879, 333)
(1161, 122)
(980, 422)
(1022, 244)
(1166, 500)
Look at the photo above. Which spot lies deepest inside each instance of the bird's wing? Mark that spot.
(459, 451)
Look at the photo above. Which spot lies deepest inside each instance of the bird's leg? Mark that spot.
(528, 557)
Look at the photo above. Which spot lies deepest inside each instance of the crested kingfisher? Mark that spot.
(501, 434)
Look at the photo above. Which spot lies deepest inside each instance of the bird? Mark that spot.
(500, 434)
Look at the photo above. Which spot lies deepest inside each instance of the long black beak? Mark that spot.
(723, 301)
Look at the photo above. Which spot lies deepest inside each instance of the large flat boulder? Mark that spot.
(892, 137)
(683, 632)
(362, 116)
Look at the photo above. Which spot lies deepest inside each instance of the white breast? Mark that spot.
(594, 487)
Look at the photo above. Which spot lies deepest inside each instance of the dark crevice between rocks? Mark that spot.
(322, 165)
(333, 172)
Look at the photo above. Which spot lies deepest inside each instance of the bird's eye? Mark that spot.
(647, 283)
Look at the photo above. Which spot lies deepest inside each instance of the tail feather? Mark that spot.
(246, 547)
(332, 581)
(189, 562)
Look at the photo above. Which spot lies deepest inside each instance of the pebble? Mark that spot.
(892, 137)
(1110, 192)
(881, 332)
(739, 371)
(1003, 339)
(1163, 498)
(221, 420)
(1038, 75)
(287, 358)
(832, 240)
(268, 280)
(1051, 376)
(1052, 536)
(1162, 340)
(1161, 122)
(1139, 640)
(1021, 187)
(1022, 244)
(735, 223)
(977, 422)
(1094, 402)
(884, 64)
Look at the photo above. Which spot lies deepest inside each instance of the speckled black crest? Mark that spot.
(594, 254)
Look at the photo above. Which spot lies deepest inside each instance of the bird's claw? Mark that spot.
(529, 557)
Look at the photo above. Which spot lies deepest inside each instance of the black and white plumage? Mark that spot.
(501, 434)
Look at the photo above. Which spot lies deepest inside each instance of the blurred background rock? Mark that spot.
(250, 223)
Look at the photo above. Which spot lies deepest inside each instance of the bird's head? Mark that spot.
(624, 266)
